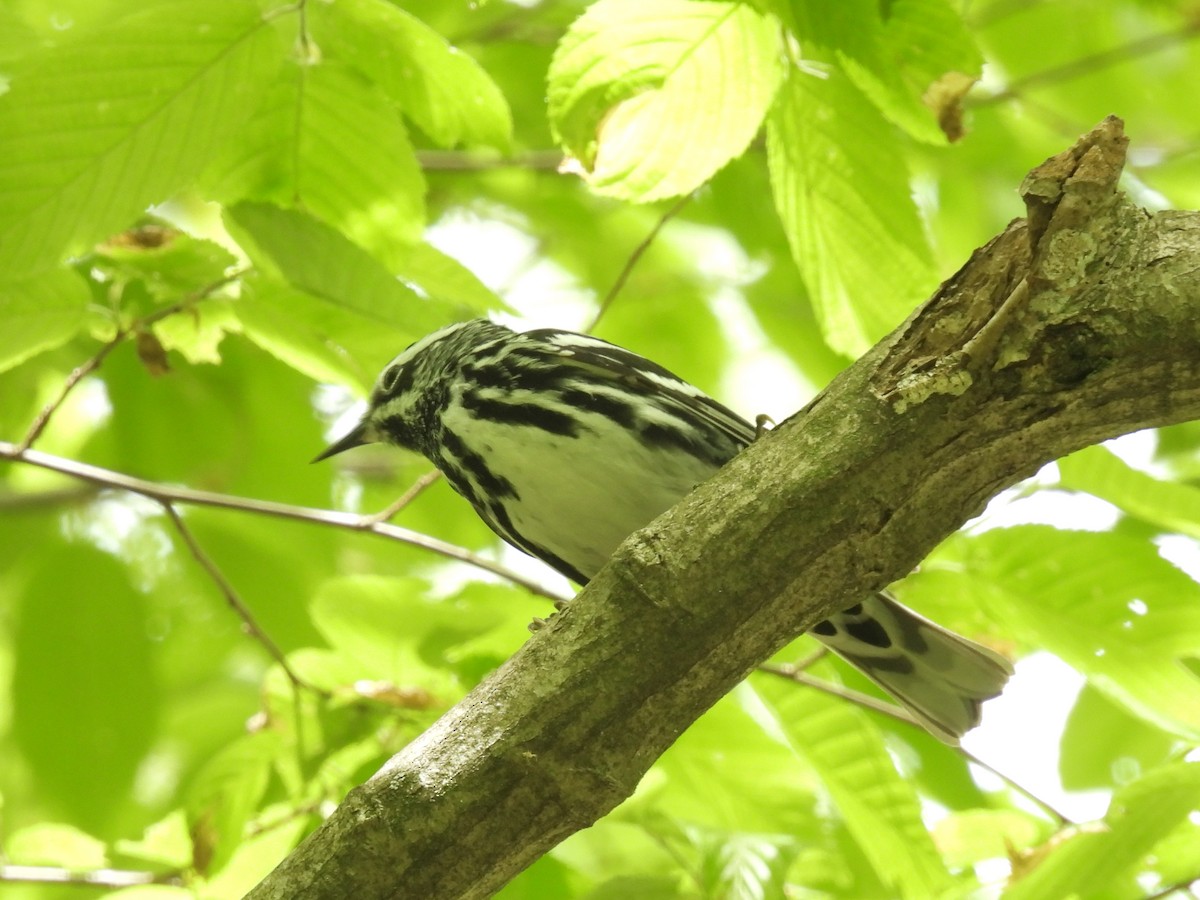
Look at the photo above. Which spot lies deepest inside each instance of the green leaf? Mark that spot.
(444, 277)
(224, 796)
(1103, 744)
(119, 117)
(1105, 603)
(971, 836)
(198, 333)
(654, 96)
(1103, 863)
(329, 143)
(622, 887)
(842, 192)
(445, 92)
(347, 343)
(325, 342)
(85, 691)
(392, 630)
(55, 844)
(755, 785)
(259, 854)
(892, 53)
(318, 260)
(928, 39)
(880, 809)
(152, 892)
(39, 313)
(1097, 470)
(165, 843)
(744, 866)
(170, 263)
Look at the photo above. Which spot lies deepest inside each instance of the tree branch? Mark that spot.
(166, 494)
(1077, 324)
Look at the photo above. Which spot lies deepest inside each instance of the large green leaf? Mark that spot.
(654, 96)
(445, 92)
(323, 341)
(1097, 470)
(327, 142)
(756, 785)
(842, 192)
(119, 117)
(316, 259)
(880, 809)
(391, 628)
(1106, 603)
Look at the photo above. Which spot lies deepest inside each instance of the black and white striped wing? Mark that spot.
(635, 376)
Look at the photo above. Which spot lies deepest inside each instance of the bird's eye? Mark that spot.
(387, 381)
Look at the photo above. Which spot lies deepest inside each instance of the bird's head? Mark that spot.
(413, 388)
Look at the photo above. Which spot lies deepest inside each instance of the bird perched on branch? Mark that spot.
(566, 444)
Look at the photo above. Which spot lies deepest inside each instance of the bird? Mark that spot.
(566, 444)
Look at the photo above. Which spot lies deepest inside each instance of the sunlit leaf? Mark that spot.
(965, 838)
(654, 96)
(893, 53)
(1103, 744)
(439, 87)
(841, 189)
(120, 116)
(259, 854)
(55, 844)
(305, 149)
(314, 258)
(389, 625)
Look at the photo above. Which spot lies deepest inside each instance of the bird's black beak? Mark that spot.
(356, 438)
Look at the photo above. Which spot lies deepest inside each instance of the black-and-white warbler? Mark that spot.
(566, 445)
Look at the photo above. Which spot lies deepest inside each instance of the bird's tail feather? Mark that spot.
(937, 675)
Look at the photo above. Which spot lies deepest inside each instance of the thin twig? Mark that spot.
(900, 715)
(231, 597)
(1054, 812)
(91, 365)
(641, 248)
(792, 673)
(168, 494)
(109, 878)
(414, 491)
(77, 375)
(1087, 64)
(811, 660)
